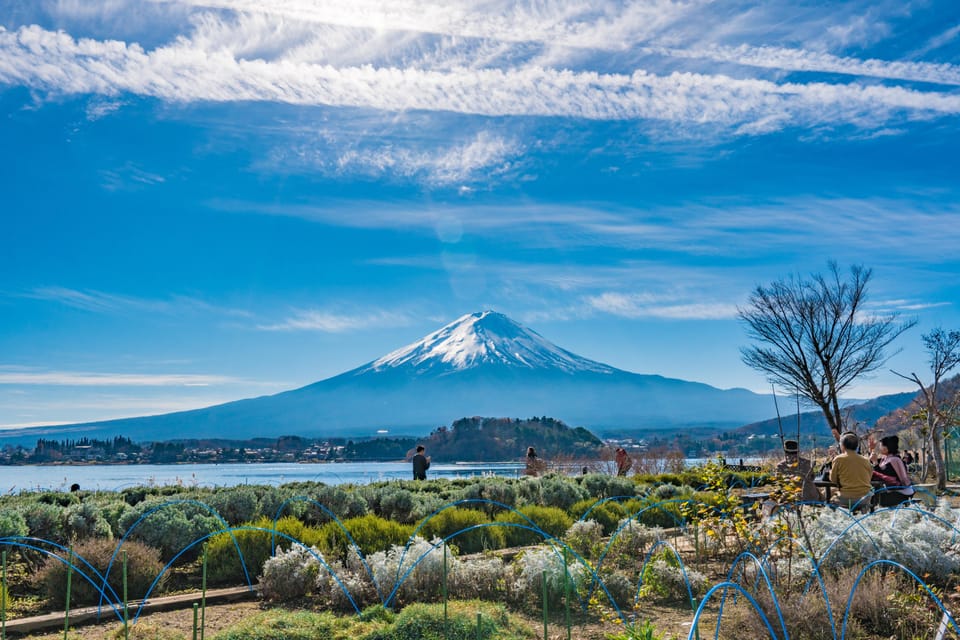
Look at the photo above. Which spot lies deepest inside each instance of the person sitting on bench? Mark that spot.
(851, 472)
(889, 468)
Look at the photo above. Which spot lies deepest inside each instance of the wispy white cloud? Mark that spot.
(481, 157)
(605, 26)
(330, 322)
(129, 177)
(20, 376)
(785, 59)
(56, 62)
(103, 302)
(91, 300)
(645, 305)
(720, 228)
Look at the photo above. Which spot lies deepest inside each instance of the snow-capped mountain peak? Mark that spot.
(484, 338)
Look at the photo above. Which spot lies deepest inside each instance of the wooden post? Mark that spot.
(446, 623)
(126, 609)
(544, 578)
(203, 597)
(66, 611)
(566, 592)
(3, 605)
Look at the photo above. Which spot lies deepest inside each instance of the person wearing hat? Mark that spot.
(800, 468)
(890, 469)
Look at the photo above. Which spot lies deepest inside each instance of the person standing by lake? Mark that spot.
(534, 464)
(624, 461)
(420, 464)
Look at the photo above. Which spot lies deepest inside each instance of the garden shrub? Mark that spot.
(12, 523)
(551, 520)
(418, 568)
(143, 566)
(223, 563)
(393, 502)
(618, 587)
(585, 537)
(530, 567)
(425, 504)
(235, 505)
(480, 577)
(664, 578)
(342, 503)
(427, 622)
(658, 512)
(58, 498)
(45, 521)
(135, 495)
(631, 540)
(670, 492)
(290, 574)
(608, 514)
(495, 490)
(601, 485)
(371, 533)
(171, 528)
(85, 520)
(345, 584)
(454, 519)
(561, 492)
(529, 491)
(113, 512)
(922, 543)
(270, 498)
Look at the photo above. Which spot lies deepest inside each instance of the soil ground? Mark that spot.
(670, 622)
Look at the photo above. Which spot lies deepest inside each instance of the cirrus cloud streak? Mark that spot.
(57, 63)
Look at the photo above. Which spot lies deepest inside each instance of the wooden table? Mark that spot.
(827, 486)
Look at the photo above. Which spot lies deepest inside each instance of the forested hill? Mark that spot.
(480, 439)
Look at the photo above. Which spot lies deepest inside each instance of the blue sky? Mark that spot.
(206, 200)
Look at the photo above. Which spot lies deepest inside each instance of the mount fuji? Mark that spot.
(483, 364)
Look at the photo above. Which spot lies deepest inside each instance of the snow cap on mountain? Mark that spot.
(484, 338)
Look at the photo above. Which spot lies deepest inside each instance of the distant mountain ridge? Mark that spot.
(813, 423)
(482, 364)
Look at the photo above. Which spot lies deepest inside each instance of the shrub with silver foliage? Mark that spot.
(290, 574)
(530, 568)
(583, 536)
(913, 538)
(423, 582)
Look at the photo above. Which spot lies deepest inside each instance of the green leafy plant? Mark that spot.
(452, 520)
(551, 520)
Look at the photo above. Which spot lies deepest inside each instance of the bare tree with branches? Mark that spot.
(815, 337)
(944, 350)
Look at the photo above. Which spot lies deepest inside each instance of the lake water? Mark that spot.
(114, 477)
(14, 479)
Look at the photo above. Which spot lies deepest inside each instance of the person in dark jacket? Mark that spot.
(420, 464)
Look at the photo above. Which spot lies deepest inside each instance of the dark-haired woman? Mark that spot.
(891, 470)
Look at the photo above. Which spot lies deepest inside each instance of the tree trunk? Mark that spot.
(938, 459)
